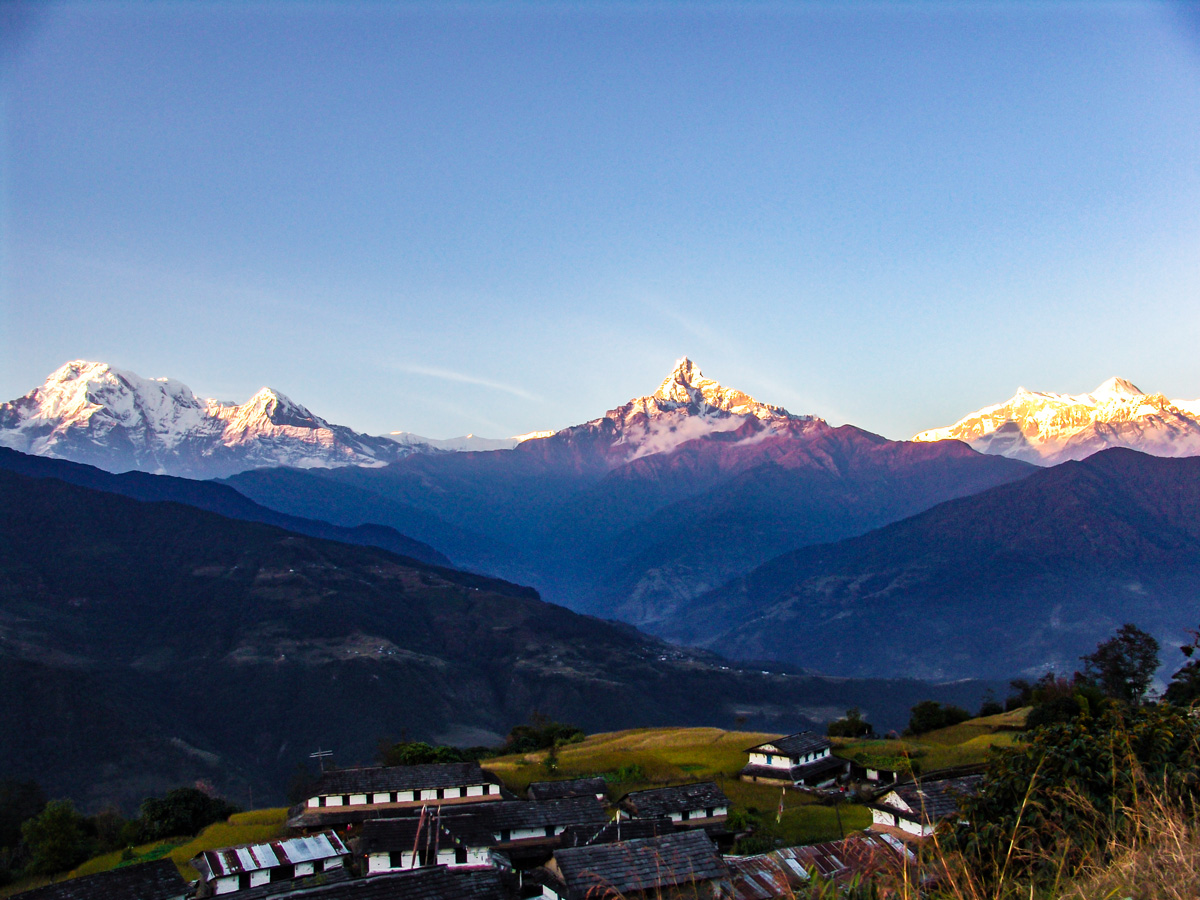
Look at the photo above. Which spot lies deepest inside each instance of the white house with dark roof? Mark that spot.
(918, 807)
(349, 795)
(686, 805)
(397, 845)
(252, 865)
(805, 758)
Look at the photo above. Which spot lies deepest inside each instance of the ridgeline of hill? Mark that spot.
(1020, 578)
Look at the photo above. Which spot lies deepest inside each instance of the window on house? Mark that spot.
(345, 799)
(686, 814)
(441, 793)
(396, 860)
(460, 855)
(395, 796)
(709, 812)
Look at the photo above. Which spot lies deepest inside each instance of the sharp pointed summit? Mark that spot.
(1048, 428)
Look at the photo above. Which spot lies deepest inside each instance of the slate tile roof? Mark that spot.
(931, 801)
(158, 880)
(400, 834)
(514, 814)
(611, 832)
(798, 744)
(557, 790)
(381, 779)
(684, 858)
(432, 883)
(659, 802)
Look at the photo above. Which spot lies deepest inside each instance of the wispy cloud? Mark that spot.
(464, 378)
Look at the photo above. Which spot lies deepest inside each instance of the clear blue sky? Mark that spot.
(505, 217)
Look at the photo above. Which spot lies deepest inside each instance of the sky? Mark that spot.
(505, 217)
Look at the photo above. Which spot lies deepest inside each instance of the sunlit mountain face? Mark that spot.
(116, 420)
(1046, 428)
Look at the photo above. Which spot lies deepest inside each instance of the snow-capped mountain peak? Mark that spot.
(687, 406)
(687, 386)
(1048, 428)
(1117, 389)
(94, 413)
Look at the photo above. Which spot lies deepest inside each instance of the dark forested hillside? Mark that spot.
(1020, 577)
(148, 644)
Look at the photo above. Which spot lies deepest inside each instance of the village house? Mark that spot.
(917, 808)
(804, 758)
(348, 796)
(248, 866)
(526, 832)
(158, 880)
(686, 805)
(396, 845)
(560, 790)
(682, 865)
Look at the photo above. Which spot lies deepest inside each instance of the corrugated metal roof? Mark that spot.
(254, 857)
(780, 873)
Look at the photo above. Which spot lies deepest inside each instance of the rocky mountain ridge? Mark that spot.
(1047, 428)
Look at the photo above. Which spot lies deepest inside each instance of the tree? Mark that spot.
(56, 839)
(182, 812)
(1124, 665)
(850, 725)
(19, 802)
(417, 753)
(990, 705)
(929, 715)
(541, 734)
(1184, 688)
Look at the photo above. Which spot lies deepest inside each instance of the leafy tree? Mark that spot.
(1061, 796)
(1184, 688)
(850, 725)
(19, 802)
(929, 715)
(1124, 665)
(990, 705)
(416, 753)
(56, 839)
(183, 811)
(540, 734)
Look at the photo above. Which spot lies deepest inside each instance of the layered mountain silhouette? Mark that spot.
(148, 644)
(659, 500)
(1020, 578)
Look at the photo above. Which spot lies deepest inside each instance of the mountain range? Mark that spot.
(1021, 578)
(148, 644)
(92, 413)
(661, 499)
(1046, 428)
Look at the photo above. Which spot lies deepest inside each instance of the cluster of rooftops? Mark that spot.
(454, 832)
